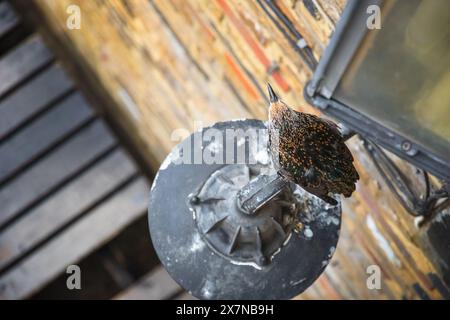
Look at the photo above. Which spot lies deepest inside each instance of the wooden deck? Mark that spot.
(157, 285)
(67, 187)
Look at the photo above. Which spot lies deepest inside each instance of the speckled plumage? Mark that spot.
(310, 151)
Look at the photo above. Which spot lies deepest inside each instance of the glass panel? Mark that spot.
(400, 75)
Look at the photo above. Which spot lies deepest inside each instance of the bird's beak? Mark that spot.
(272, 95)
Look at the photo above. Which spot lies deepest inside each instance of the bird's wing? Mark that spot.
(329, 155)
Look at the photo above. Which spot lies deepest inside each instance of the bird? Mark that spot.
(309, 151)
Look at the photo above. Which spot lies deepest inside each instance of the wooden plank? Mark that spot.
(157, 285)
(64, 206)
(22, 61)
(84, 236)
(32, 97)
(53, 169)
(42, 133)
(8, 18)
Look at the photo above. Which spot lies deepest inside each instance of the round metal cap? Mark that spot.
(212, 248)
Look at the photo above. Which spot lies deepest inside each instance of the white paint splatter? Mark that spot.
(325, 218)
(197, 243)
(262, 157)
(308, 232)
(250, 264)
(207, 289)
(283, 245)
(330, 254)
(236, 120)
(287, 239)
(294, 283)
(275, 253)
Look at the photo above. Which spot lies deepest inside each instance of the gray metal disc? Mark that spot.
(208, 275)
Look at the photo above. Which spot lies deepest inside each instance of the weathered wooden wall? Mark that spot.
(162, 65)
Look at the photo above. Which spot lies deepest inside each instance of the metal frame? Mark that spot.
(348, 35)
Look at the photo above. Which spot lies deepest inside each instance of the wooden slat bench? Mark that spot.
(52, 127)
(23, 61)
(67, 187)
(156, 285)
(77, 196)
(53, 170)
(94, 229)
(34, 96)
(8, 20)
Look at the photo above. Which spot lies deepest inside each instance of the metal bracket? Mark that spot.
(426, 205)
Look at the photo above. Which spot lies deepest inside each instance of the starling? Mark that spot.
(310, 151)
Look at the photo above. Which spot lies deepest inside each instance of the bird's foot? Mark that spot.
(329, 200)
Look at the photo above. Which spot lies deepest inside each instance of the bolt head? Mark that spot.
(406, 145)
